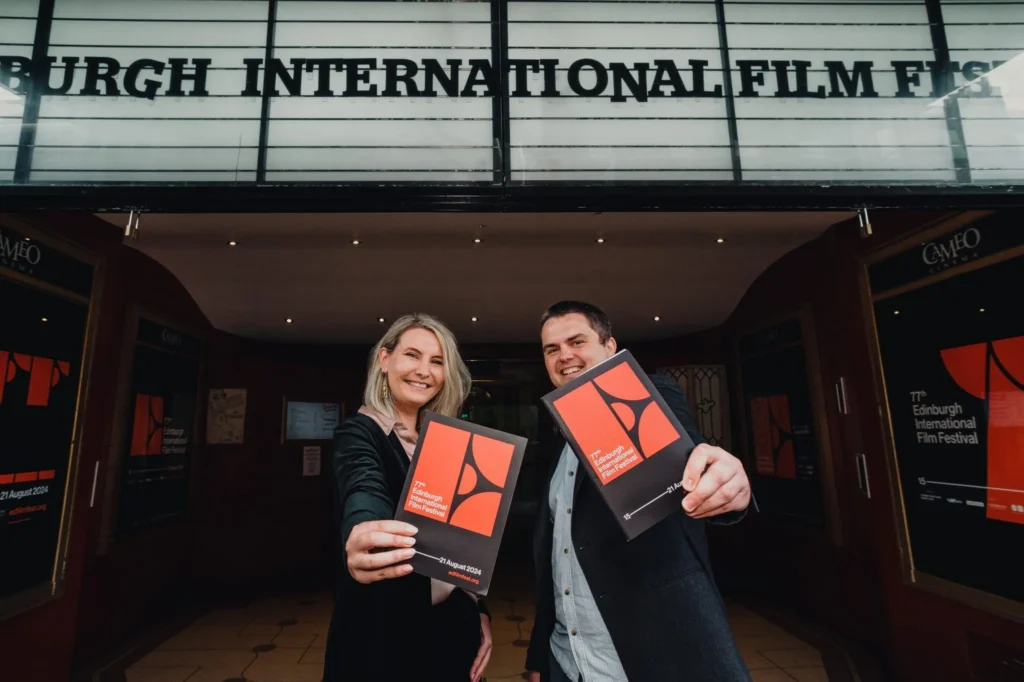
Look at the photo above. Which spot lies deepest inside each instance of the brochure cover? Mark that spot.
(458, 494)
(627, 439)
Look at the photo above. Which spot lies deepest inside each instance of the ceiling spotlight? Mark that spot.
(380, 319)
(721, 241)
(474, 319)
(657, 319)
(895, 312)
(289, 320)
(981, 310)
(45, 320)
(232, 243)
(355, 242)
(477, 240)
(600, 240)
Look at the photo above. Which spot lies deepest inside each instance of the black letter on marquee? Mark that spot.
(748, 78)
(131, 77)
(480, 73)
(69, 76)
(975, 71)
(942, 77)
(599, 71)
(392, 77)
(861, 71)
(93, 76)
(667, 74)
(358, 71)
(638, 86)
(291, 81)
(782, 78)
(252, 77)
(550, 85)
(178, 76)
(324, 77)
(22, 73)
(904, 79)
(802, 89)
(449, 81)
(698, 66)
(519, 66)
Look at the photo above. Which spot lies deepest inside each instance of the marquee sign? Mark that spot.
(243, 91)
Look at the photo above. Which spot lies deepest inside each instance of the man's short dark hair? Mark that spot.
(596, 318)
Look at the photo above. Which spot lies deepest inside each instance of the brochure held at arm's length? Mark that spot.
(627, 439)
(458, 493)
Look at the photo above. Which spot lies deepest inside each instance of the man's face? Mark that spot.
(570, 346)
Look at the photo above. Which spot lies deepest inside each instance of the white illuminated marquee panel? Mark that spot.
(17, 31)
(980, 35)
(579, 136)
(385, 135)
(824, 131)
(169, 138)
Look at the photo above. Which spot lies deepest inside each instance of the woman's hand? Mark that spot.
(483, 657)
(369, 566)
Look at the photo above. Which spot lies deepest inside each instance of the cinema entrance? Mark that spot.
(805, 214)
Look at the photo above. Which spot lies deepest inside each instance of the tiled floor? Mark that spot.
(282, 640)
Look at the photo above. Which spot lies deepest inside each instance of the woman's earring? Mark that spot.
(384, 393)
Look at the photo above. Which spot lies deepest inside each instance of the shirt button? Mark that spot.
(567, 590)
(574, 632)
(566, 550)
(569, 510)
(570, 473)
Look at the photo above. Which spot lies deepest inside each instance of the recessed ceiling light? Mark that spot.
(600, 240)
(45, 320)
(474, 319)
(232, 243)
(981, 310)
(355, 242)
(895, 312)
(657, 318)
(289, 320)
(380, 319)
(477, 240)
(721, 241)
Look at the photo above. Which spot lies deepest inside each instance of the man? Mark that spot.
(647, 610)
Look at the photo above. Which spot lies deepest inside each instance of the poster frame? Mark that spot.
(136, 312)
(822, 438)
(287, 398)
(912, 577)
(31, 598)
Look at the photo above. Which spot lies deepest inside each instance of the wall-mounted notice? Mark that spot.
(225, 416)
(952, 353)
(311, 460)
(311, 421)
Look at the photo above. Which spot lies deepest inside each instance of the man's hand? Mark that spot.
(368, 566)
(483, 656)
(715, 483)
(532, 676)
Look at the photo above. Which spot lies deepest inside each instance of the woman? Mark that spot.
(388, 623)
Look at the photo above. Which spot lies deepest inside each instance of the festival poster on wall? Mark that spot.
(42, 339)
(160, 429)
(40, 366)
(781, 440)
(952, 356)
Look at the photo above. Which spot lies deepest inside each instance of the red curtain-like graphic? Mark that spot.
(148, 428)
(773, 436)
(994, 372)
(43, 375)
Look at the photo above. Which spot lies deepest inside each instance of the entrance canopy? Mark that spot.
(334, 105)
(658, 275)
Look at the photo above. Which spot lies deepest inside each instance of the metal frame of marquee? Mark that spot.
(501, 194)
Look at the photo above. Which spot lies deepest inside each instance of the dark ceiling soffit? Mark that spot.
(564, 197)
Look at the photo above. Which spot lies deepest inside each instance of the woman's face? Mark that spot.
(415, 369)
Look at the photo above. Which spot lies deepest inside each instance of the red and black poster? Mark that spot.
(779, 415)
(628, 440)
(42, 339)
(952, 352)
(460, 486)
(159, 437)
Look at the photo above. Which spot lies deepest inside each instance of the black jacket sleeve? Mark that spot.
(675, 397)
(361, 488)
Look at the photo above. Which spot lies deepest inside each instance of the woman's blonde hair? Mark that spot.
(457, 380)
